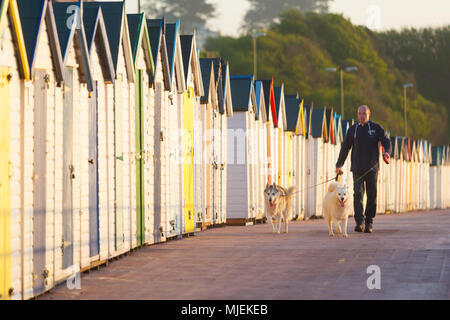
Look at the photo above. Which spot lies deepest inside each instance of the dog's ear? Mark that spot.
(267, 185)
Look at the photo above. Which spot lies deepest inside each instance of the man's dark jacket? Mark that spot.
(363, 140)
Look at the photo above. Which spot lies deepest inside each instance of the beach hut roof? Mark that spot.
(191, 62)
(242, 93)
(155, 28)
(139, 38)
(8, 9)
(116, 24)
(34, 14)
(292, 104)
(318, 123)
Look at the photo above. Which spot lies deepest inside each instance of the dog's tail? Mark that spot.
(290, 191)
(332, 186)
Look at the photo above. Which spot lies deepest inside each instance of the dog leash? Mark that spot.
(336, 179)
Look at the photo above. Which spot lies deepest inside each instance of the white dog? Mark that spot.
(335, 208)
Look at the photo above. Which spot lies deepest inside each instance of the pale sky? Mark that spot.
(376, 14)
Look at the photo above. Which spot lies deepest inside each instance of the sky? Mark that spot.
(375, 14)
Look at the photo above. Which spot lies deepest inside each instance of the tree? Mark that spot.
(193, 13)
(297, 49)
(263, 12)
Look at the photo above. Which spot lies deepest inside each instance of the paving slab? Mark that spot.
(412, 251)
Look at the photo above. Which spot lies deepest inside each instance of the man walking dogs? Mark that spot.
(363, 138)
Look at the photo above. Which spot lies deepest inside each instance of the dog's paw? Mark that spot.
(331, 234)
(345, 235)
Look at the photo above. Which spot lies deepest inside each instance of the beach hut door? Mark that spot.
(93, 175)
(68, 170)
(120, 235)
(5, 193)
(139, 159)
(39, 195)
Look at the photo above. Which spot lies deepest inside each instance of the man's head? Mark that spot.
(363, 114)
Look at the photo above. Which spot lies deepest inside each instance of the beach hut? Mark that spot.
(269, 99)
(300, 159)
(225, 111)
(329, 159)
(194, 90)
(208, 102)
(435, 195)
(46, 71)
(161, 86)
(241, 143)
(77, 85)
(111, 152)
(144, 128)
(174, 210)
(216, 139)
(314, 163)
(295, 126)
(261, 158)
(347, 177)
(120, 138)
(100, 141)
(16, 145)
(280, 136)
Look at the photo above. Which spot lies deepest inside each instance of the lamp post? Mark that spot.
(406, 85)
(341, 71)
(254, 36)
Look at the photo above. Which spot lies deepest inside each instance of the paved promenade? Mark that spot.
(412, 251)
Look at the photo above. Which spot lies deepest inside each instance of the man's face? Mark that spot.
(363, 115)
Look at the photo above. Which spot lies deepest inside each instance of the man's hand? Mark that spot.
(386, 157)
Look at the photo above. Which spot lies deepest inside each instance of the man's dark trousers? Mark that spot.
(369, 182)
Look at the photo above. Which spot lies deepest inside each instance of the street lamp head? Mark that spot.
(331, 69)
(258, 34)
(350, 69)
(407, 85)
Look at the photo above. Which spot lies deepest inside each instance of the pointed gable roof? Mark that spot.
(308, 112)
(228, 101)
(97, 34)
(269, 98)
(33, 15)
(114, 19)
(155, 28)
(191, 62)
(329, 116)
(280, 110)
(207, 70)
(260, 102)
(8, 9)
(176, 67)
(137, 27)
(292, 103)
(339, 137)
(242, 93)
(318, 124)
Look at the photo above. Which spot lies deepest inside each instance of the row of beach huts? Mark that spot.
(115, 134)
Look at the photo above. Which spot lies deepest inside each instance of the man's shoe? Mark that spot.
(368, 228)
(359, 228)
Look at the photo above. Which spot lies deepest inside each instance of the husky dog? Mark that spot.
(335, 208)
(278, 202)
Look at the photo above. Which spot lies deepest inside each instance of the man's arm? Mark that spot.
(385, 141)
(346, 146)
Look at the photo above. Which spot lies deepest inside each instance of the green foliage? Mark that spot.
(263, 12)
(298, 48)
(192, 13)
